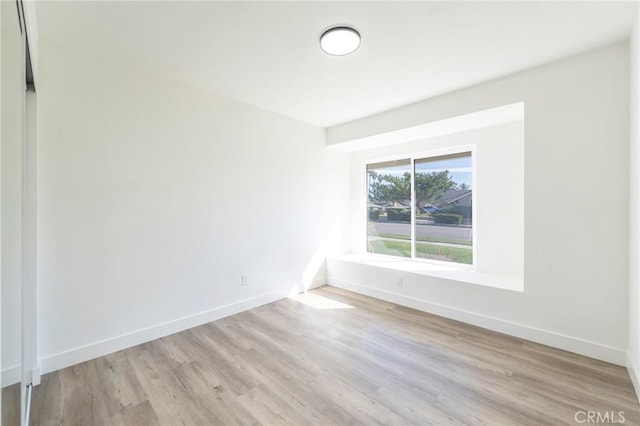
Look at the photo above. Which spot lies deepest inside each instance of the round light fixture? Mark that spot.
(340, 41)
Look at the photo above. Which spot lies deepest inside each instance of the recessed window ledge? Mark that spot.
(465, 275)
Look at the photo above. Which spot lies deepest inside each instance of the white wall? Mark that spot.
(11, 192)
(576, 208)
(633, 361)
(154, 198)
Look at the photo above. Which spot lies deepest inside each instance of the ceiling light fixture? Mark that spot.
(340, 41)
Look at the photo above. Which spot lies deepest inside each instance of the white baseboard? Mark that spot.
(11, 375)
(317, 282)
(545, 337)
(107, 346)
(633, 374)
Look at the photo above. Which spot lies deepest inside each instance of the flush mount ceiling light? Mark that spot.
(340, 40)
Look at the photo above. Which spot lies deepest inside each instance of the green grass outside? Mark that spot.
(429, 239)
(423, 250)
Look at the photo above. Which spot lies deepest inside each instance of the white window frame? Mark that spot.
(412, 157)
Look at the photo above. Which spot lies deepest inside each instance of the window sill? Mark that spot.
(465, 275)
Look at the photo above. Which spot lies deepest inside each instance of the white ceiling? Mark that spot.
(267, 53)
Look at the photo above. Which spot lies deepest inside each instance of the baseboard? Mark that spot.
(317, 282)
(11, 375)
(633, 374)
(545, 337)
(107, 346)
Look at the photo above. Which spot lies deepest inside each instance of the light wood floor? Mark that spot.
(11, 405)
(291, 363)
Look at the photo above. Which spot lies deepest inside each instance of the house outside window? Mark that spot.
(422, 208)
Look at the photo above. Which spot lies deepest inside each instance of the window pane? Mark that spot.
(443, 227)
(389, 208)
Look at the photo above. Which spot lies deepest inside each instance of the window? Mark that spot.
(422, 208)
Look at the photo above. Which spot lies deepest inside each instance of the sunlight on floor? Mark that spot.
(318, 302)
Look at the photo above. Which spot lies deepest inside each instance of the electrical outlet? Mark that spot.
(399, 282)
(245, 280)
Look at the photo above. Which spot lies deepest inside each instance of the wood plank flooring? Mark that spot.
(370, 363)
(11, 405)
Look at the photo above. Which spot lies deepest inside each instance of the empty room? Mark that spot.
(320, 213)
